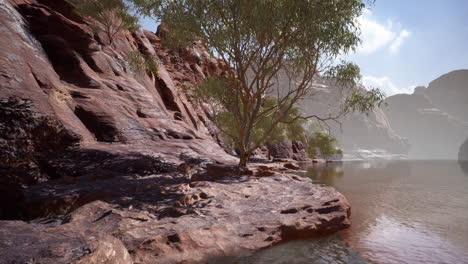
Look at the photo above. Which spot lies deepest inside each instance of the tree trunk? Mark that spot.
(243, 159)
(268, 146)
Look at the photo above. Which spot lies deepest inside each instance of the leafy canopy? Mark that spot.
(289, 126)
(264, 41)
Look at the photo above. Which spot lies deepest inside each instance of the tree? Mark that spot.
(262, 41)
(324, 143)
(112, 16)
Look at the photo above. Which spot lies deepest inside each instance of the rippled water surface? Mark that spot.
(402, 212)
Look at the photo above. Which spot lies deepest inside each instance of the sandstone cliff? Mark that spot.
(62, 87)
(434, 119)
(449, 92)
(357, 133)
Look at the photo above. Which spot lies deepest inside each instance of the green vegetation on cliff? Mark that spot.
(261, 41)
(112, 16)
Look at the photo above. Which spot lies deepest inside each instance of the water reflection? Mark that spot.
(407, 243)
(402, 212)
(326, 173)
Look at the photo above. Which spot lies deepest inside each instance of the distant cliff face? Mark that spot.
(358, 132)
(434, 119)
(449, 92)
(463, 152)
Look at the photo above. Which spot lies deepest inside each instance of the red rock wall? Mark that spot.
(62, 87)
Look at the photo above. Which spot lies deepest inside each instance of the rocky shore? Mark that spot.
(166, 218)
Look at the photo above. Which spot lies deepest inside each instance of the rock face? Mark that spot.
(449, 93)
(357, 131)
(421, 117)
(288, 149)
(99, 159)
(165, 219)
(37, 243)
(463, 152)
(62, 88)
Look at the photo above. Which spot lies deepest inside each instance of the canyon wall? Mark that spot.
(434, 119)
(71, 105)
(359, 135)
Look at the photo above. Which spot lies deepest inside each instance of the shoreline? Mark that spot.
(181, 222)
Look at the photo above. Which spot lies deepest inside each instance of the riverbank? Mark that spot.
(166, 218)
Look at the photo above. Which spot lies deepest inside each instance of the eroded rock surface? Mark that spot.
(70, 103)
(166, 219)
(450, 93)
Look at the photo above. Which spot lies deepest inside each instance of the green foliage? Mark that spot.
(324, 143)
(140, 63)
(290, 125)
(363, 101)
(263, 41)
(265, 131)
(152, 64)
(112, 16)
(346, 73)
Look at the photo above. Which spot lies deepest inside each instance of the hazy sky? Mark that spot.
(408, 43)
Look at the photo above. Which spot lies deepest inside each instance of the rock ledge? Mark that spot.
(179, 222)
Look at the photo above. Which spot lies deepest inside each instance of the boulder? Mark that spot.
(289, 150)
(291, 166)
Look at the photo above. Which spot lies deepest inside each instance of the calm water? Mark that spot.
(402, 212)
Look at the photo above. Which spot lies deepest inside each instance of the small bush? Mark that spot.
(323, 143)
(112, 16)
(140, 63)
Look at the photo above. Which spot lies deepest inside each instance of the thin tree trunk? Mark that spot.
(243, 159)
(268, 146)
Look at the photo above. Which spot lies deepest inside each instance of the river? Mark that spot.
(402, 212)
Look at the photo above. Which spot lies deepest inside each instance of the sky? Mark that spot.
(407, 43)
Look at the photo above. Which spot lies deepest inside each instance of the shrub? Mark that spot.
(323, 143)
(140, 63)
(112, 16)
